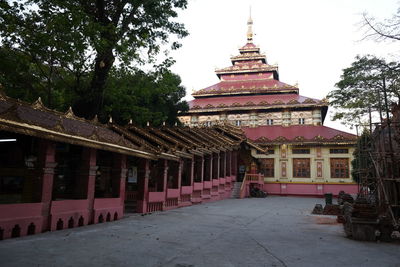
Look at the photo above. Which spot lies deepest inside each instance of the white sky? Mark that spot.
(310, 40)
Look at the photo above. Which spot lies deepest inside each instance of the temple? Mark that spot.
(59, 171)
(303, 157)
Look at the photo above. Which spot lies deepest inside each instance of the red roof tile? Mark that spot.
(255, 99)
(249, 46)
(265, 134)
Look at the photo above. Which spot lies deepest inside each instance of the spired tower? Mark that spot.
(304, 157)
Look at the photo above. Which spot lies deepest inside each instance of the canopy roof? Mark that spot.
(148, 142)
(37, 120)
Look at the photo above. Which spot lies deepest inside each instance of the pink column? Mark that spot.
(47, 162)
(225, 172)
(230, 163)
(180, 173)
(218, 163)
(165, 181)
(234, 166)
(89, 168)
(211, 166)
(119, 174)
(143, 185)
(192, 171)
(202, 168)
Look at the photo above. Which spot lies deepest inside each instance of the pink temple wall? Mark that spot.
(64, 210)
(22, 215)
(185, 190)
(108, 207)
(305, 189)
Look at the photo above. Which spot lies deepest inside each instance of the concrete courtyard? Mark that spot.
(275, 231)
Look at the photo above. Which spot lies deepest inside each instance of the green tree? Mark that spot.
(78, 42)
(367, 87)
(362, 163)
(153, 97)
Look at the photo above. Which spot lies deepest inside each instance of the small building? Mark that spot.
(303, 157)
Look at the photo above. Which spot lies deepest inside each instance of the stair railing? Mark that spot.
(243, 187)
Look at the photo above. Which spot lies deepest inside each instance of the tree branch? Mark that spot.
(377, 31)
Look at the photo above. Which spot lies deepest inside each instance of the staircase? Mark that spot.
(236, 190)
(130, 206)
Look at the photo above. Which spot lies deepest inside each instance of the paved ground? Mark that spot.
(276, 231)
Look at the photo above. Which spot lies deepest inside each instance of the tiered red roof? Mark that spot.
(252, 84)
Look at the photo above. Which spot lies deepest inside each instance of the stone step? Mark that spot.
(236, 190)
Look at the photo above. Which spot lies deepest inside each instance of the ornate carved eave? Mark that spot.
(245, 91)
(238, 70)
(236, 106)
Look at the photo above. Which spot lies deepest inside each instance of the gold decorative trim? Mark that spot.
(2, 95)
(263, 103)
(293, 101)
(281, 139)
(38, 104)
(338, 137)
(70, 114)
(263, 139)
(236, 104)
(245, 90)
(95, 120)
(309, 101)
(319, 138)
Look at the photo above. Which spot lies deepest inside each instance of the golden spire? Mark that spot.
(250, 29)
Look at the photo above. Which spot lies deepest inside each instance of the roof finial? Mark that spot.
(250, 28)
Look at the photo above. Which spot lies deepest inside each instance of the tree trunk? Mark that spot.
(380, 106)
(370, 119)
(90, 104)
